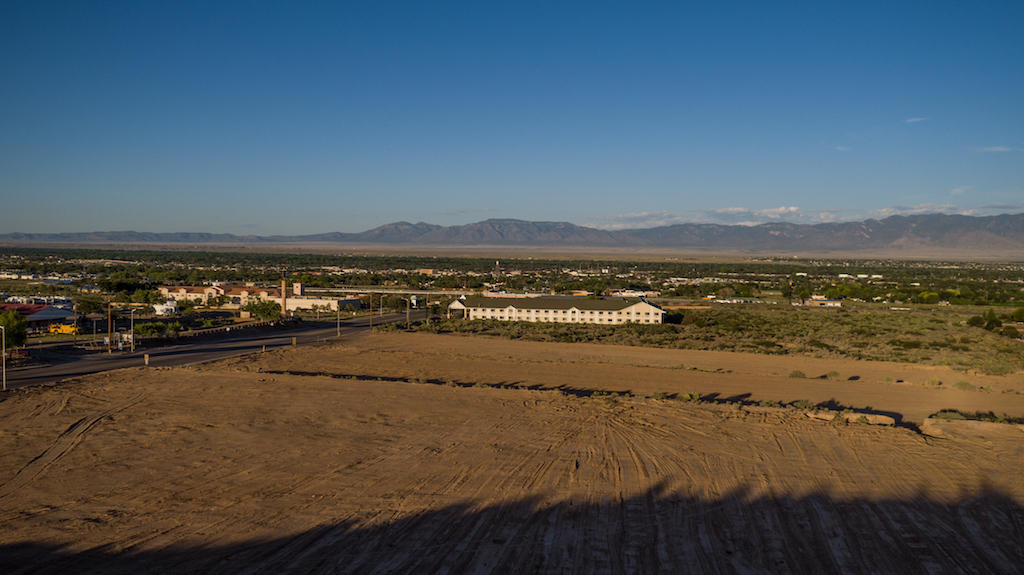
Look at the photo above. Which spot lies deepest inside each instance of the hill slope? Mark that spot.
(955, 232)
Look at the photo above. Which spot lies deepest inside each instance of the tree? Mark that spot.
(265, 310)
(15, 327)
(992, 322)
(87, 304)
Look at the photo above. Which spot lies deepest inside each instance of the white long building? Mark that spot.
(558, 309)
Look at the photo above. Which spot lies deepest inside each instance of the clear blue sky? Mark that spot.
(299, 117)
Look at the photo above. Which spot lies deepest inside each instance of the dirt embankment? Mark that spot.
(908, 391)
(222, 468)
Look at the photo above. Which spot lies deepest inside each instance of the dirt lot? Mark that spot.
(905, 390)
(226, 468)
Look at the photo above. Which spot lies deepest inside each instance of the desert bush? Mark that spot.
(797, 374)
(964, 385)
(955, 414)
(689, 397)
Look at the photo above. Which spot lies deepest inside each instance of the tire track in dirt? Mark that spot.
(60, 447)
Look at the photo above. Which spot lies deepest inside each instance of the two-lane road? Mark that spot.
(196, 352)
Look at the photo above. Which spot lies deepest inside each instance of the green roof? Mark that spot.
(551, 302)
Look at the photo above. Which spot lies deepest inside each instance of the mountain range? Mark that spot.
(1004, 233)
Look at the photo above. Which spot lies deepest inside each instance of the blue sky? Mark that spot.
(309, 117)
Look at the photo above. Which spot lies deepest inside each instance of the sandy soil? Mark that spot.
(224, 468)
(908, 391)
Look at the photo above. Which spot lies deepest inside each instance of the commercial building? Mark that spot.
(242, 295)
(39, 316)
(558, 309)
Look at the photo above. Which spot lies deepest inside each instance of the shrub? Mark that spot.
(691, 397)
(796, 373)
(964, 385)
(976, 321)
(1010, 331)
(150, 329)
(1018, 314)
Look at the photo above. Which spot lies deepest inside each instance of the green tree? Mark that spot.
(1018, 314)
(86, 304)
(992, 322)
(265, 310)
(15, 327)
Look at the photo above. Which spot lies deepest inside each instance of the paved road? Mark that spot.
(196, 352)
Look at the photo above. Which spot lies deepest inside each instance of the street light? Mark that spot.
(132, 314)
(3, 330)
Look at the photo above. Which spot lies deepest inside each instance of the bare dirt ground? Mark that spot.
(908, 391)
(225, 468)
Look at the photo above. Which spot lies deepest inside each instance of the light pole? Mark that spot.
(3, 329)
(338, 307)
(132, 314)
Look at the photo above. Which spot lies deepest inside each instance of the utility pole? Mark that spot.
(339, 317)
(408, 310)
(133, 329)
(110, 327)
(4, 330)
(371, 311)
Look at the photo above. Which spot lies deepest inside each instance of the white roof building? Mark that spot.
(559, 309)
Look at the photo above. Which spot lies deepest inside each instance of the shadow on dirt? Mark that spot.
(654, 531)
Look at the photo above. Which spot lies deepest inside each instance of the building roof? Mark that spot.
(187, 289)
(37, 313)
(235, 289)
(552, 302)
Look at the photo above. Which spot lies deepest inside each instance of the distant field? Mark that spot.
(929, 336)
(395, 453)
(550, 252)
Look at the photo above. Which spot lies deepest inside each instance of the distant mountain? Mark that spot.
(929, 231)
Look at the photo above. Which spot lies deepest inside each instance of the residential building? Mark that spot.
(559, 309)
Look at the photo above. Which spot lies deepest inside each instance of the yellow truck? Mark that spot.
(63, 328)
